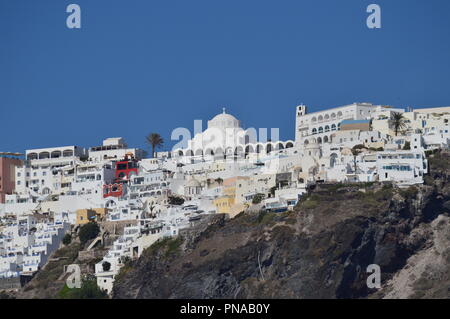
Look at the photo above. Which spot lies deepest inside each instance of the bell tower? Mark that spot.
(300, 124)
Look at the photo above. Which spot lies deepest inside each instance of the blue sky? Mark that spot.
(142, 66)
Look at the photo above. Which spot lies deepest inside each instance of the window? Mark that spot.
(122, 166)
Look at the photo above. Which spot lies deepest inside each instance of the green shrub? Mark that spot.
(88, 290)
(173, 245)
(88, 231)
(169, 245)
(257, 198)
(265, 217)
(428, 180)
(409, 193)
(67, 239)
(407, 146)
(310, 204)
(175, 200)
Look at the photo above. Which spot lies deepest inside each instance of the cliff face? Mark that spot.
(321, 250)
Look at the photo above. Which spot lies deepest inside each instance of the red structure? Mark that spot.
(7, 174)
(113, 190)
(124, 170)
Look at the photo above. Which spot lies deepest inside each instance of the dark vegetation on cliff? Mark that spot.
(320, 250)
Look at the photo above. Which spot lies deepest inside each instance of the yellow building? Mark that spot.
(84, 216)
(224, 203)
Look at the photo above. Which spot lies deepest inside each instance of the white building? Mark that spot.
(318, 126)
(405, 167)
(224, 138)
(113, 149)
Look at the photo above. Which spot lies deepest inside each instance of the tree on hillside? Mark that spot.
(67, 239)
(88, 231)
(257, 198)
(356, 150)
(88, 290)
(176, 200)
(398, 122)
(155, 140)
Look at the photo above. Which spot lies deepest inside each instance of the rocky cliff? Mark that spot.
(320, 250)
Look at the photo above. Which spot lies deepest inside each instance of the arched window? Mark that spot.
(339, 114)
(199, 152)
(314, 120)
(320, 129)
(289, 145)
(327, 117)
(67, 153)
(333, 127)
(44, 155)
(56, 154)
(268, 148)
(327, 128)
(319, 140)
(325, 139)
(320, 118)
(314, 131)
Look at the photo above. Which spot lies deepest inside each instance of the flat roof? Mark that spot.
(11, 154)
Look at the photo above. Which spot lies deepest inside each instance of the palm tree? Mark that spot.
(155, 140)
(356, 150)
(398, 122)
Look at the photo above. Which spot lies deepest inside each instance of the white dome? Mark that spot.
(223, 121)
(193, 183)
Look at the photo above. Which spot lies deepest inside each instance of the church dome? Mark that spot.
(223, 121)
(193, 183)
